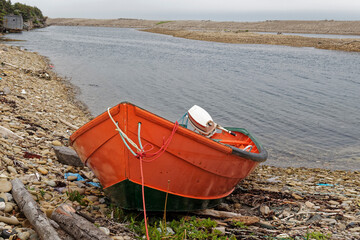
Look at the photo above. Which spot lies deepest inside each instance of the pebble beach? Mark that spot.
(39, 111)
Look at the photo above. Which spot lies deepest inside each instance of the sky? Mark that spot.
(216, 10)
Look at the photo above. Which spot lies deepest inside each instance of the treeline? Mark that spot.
(29, 14)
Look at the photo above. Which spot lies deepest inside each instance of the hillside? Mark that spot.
(32, 16)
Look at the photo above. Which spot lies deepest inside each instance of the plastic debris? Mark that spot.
(325, 184)
(94, 184)
(31, 155)
(79, 177)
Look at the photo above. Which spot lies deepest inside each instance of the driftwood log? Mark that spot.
(230, 216)
(75, 225)
(32, 211)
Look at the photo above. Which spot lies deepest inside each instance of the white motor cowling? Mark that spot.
(202, 121)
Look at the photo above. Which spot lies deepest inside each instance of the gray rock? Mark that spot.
(314, 219)
(6, 90)
(67, 156)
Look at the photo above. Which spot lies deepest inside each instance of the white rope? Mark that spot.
(122, 133)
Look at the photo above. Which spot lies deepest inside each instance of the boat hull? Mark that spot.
(192, 167)
(128, 195)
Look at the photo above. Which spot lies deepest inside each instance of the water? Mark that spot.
(302, 103)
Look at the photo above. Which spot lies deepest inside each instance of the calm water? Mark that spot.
(303, 104)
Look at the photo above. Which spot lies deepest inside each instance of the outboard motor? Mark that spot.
(203, 122)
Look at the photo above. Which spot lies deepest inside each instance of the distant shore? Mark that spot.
(239, 32)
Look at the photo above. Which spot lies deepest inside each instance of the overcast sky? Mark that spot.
(220, 10)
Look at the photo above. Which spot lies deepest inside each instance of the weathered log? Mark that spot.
(230, 216)
(4, 132)
(218, 214)
(68, 124)
(32, 211)
(76, 225)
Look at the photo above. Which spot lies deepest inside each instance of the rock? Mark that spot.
(314, 219)
(118, 238)
(56, 143)
(283, 236)
(67, 156)
(24, 235)
(309, 204)
(356, 229)
(71, 178)
(267, 225)
(6, 90)
(105, 230)
(2, 206)
(331, 202)
(328, 221)
(11, 170)
(92, 198)
(5, 185)
(10, 220)
(220, 229)
(297, 197)
(51, 183)
(8, 197)
(169, 230)
(42, 170)
(8, 207)
(265, 210)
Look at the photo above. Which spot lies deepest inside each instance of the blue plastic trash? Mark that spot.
(94, 184)
(79, 177)
(325, 184)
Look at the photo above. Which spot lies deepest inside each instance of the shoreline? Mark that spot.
(239, 32)
(349, 45)
(34, 100)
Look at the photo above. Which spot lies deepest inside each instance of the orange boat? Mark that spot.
(190, 171)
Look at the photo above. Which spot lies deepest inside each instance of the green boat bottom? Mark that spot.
(128, 195)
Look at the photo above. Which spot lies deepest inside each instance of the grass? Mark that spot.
(318, 236)
(183, 228)
(75, 196)
(162, 22)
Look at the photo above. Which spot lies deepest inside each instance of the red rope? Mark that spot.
(145, 154)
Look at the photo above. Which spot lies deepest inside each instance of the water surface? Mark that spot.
(302, 103)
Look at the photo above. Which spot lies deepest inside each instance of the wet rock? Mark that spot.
(67, 156)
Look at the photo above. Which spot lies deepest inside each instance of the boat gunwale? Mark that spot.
(257, 157)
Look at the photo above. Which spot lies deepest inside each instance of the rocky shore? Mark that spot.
(38, 112)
